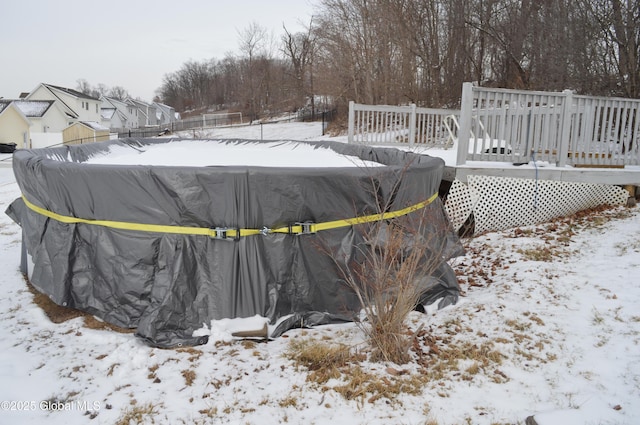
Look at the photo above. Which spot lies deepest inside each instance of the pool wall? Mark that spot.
(167, 285)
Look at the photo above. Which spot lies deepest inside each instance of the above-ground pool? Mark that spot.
(168, 244)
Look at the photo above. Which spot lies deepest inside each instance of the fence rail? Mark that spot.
(514, 126)
(384, 124)
(558, 127)
(222, 120)
(202, 121)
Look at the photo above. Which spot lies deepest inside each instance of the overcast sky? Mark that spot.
(128, 43)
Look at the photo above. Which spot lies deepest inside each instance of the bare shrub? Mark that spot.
(396, 263)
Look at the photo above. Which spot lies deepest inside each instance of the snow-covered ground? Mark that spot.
(548, 325)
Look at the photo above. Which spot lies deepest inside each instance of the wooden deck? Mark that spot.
(616, 176)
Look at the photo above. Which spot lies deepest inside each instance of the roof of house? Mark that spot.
(6, 104)
(107, 113)
(94, 125)
(34, 108)
(139, 102)
(163, 106)
(71, 92)
(114, 102)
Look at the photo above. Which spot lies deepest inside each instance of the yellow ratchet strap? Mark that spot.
(230, 232)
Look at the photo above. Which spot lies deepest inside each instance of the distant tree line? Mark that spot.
(420, 51)
(116, 92)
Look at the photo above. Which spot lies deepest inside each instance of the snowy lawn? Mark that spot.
(548, 324)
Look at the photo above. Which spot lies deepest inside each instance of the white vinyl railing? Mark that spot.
(384, 124)
(558, 127)
(512, 126)
(604, 131)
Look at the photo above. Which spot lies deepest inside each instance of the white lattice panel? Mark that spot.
(459, 204)
(500, 203)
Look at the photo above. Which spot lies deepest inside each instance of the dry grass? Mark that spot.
(361, 385)
(323, 360)
(330, 361)
(59, 314)
(337, 363)
(442, 357)
(189, 376)
(138, 414)
(543, 253)
(55, 313)
(194, 353)
(289, 401)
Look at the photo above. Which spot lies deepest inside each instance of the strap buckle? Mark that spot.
(223, 233)
(306, 228)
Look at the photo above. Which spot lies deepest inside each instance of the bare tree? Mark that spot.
(83, 86)
(118, 92)
(253, 41)
(619, 22)
(300, 48)
(421, 51)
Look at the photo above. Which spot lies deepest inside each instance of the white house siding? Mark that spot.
(13, 126)
(53, 121)
(91, 110)
(44, 140)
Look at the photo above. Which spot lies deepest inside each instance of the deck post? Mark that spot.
(351, 121)
(565, 134)
(466, 115)
(412, 125)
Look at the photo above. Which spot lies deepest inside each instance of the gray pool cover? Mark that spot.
(166, 285)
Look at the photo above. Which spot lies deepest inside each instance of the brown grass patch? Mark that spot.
(361, 385)
(289, 401)
(336, 361)
(138, 414)
(440, 358)
(60, 314)
(194, 353)
(189, 376)
(543, 253)
(55, 312)
(322, 359)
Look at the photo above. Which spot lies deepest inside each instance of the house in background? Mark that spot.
(166, 114)
(50, 113)
(125, 115)
(47, 118)
(112, 118)
(14, 125)
(78, 106)
(85, 132)
(147, 113)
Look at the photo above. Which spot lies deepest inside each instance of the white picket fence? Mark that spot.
(514, 126)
